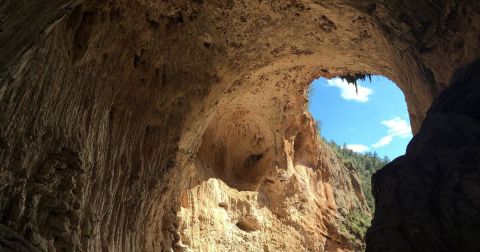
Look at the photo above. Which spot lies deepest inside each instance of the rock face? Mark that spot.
(145, 125)
(429, 199)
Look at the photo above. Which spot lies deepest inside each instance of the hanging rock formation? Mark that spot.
(146, 125)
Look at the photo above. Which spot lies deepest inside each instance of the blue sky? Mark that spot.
(375, 119)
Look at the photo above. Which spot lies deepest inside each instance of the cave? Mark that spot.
(182, 125)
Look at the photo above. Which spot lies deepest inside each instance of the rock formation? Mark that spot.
(429, 199)
(144, 125)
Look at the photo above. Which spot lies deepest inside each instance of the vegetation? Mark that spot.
(355, 226)
(353, 78)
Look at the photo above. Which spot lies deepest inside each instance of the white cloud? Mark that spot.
(397, 127)
(348, 91)
(358, 147)
(386, 140)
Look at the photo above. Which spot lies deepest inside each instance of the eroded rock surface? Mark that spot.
(109, 108)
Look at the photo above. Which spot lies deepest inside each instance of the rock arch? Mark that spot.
(109, 110)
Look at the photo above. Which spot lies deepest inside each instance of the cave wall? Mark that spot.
(106, 105)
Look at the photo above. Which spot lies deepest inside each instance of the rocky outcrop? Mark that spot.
(429, 199)
(293, 208)
(107, 108)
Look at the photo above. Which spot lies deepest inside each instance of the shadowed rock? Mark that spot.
(429, 199)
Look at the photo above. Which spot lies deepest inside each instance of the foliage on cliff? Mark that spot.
(355, 226)
(356, 223)
(366, 165)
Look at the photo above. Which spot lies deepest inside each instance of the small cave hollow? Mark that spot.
(248, 224)
(235, 148)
